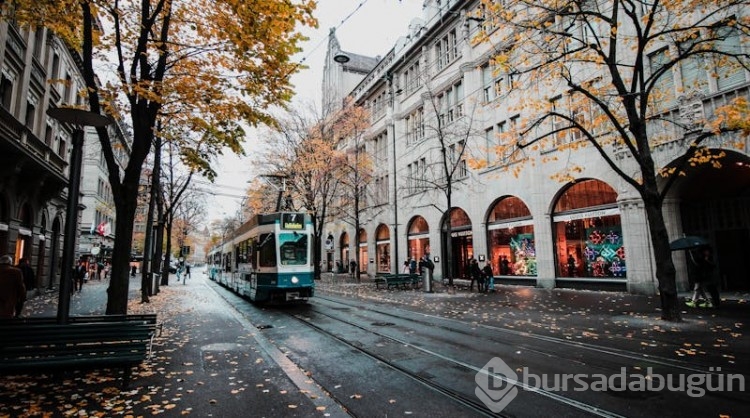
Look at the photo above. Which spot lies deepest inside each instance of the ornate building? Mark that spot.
(98, 217)
(35, 148)
(588, 231)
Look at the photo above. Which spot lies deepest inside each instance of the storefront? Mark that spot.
(362, 251)
(461, 242)
(510, 237)
(588, 232)
(418, 237)
(342, 265)
(383, 249)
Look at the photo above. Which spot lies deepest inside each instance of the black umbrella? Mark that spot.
(687, 243)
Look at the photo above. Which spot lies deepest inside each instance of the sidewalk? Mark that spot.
(206, 362)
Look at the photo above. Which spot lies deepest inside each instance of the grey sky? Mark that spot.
(371, 30)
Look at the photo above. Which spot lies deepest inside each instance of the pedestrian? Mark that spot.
(476, 274)
(133, 270)
(99, 270)
(12, 289)
(79, 275)
(489, 279)
(29, 279)
(704, 267)
(352, 267)
(412, 266)
(405, 269)
(429, 265)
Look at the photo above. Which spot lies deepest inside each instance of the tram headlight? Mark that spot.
(295, 280)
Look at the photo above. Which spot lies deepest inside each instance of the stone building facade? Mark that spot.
(35, 149)
(589, 231)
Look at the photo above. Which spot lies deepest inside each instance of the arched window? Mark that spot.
(588, 232)
(383, 248)
(510, 238)
(362, 250)
(462, 242)
(418, 238)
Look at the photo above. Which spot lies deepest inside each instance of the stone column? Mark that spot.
(639, 259)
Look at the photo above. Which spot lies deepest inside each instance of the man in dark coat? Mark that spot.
(79, 275)
(12, 290)
(29, 279)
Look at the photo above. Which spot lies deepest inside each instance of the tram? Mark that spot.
(268, 259)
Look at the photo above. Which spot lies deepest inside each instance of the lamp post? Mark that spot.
(79, 119)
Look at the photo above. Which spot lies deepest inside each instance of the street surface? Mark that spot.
(356, 351)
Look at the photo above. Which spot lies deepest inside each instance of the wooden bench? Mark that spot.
(41, 345)
(396, 280)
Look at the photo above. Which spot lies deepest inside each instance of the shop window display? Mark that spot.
(588, 238)
(590, 247)
(363, 261)
(418, 238)
(383, 249)
(511, 238)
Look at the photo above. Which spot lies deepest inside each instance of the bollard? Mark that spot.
(426, 282)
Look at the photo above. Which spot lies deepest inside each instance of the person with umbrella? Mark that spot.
(704, 267)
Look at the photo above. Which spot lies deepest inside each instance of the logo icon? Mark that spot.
(496, 385)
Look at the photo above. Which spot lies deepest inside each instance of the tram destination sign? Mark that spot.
(293, 221)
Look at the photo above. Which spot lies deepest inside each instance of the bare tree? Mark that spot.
(448, 131)
(304, 152)
(615, 63)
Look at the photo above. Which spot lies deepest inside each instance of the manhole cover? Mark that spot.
(383, 324)
(264, 326)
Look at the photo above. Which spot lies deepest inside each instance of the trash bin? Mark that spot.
(426, 282)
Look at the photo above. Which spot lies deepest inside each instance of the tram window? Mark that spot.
(293, 248)
(267, 251)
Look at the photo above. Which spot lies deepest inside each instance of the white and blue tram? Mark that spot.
(269, 258)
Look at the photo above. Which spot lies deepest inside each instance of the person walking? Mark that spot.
(12, 289)
(704, 267)
(353, 268)
(489, 279)
(186, 274)
(405, 269)
(79, 276)
(29, 279)
(476, 274)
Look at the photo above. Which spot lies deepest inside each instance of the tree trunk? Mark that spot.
(448, 266)
(167, 252)
(156, 194)
(665, 270)
(316, 240)
(159, 242)
(148, 248)
(117, 293)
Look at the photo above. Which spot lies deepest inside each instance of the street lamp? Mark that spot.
(79, 119)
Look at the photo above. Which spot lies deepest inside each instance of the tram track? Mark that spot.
(471, 400)
(684, 366)
(407, 343)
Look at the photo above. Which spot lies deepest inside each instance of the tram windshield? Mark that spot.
(293, 248)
